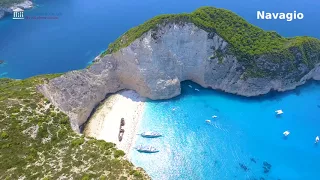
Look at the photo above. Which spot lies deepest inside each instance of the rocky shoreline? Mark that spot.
(9, 10)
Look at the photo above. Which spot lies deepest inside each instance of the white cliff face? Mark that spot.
(155, 64)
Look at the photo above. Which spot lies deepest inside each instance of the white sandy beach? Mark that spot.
(105, 123)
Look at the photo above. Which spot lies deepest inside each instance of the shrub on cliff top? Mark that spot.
(118, 153)
(246, 41)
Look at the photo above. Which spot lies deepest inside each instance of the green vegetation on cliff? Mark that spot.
(8, 3)
(246, 42)
(37, 142)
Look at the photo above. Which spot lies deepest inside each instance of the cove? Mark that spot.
(241, 143)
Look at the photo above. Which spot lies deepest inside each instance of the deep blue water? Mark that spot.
(191, 149)
(246, 132)
(85, 28)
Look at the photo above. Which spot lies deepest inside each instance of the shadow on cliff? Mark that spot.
(130, 94)
(186, 90)
(271, 96)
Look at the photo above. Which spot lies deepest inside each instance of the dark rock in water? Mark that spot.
(1, 61)
(244, 167)
(297, 92)
(253, 160)
(318, 106)
(267, 165)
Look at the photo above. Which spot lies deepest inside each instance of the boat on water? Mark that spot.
(147, 149)
(279, 112)
(150, 134)
(197, 89)
(214, 116)
(190, 86)
(317, 140)
(286, 133)
(208, 121)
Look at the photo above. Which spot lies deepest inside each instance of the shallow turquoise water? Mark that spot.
(245, 129)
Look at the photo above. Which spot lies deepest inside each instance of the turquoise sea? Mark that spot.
(246, 134)
(244, 142)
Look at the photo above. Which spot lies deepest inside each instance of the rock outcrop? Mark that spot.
(9, 10)
(156, 63)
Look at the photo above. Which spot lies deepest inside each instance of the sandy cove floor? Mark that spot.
(105, 122)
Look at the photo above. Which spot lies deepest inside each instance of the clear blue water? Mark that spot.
(245, 128)
(85, 28)
(191, 149)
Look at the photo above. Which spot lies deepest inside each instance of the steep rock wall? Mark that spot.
(156, 63)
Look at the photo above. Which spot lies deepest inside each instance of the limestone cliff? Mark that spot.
(155, 64)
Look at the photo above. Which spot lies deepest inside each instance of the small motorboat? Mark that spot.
(317, 140)
(279, 112)
(190, 86)
(208, 121)
(147, 149)
(150, 134)
(286, 133)
(214, 116)
(196, 89)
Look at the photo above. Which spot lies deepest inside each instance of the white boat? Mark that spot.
(196, 89)
(147, 149)
(317, 140)
(286, 133)
(190, 86)
(208, 121)
(279, 112)
(214, 116)
(150, 134)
